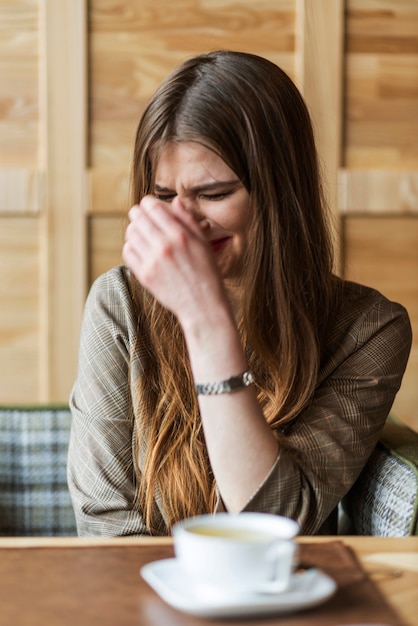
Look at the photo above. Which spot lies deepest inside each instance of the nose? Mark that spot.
(191, 205)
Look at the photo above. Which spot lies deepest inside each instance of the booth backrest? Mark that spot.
(34, 497)
(384, 499)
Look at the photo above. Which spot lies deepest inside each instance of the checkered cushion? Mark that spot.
(384, 499)
(34, 497)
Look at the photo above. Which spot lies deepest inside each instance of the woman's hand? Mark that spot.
(168, 253)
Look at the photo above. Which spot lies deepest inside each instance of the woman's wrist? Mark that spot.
(230, 385)
(215, 348)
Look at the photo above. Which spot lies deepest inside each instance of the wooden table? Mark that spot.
(31, 602)
(381, 557)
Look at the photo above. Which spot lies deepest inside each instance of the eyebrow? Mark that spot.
(204, 186)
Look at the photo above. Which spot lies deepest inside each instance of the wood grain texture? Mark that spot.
(19, 83)
(19, 310)
(109, 190)
(382, 26)
(106, 236)
(63, 67)
(381, 125)
(319, 75)
(134, 45)
(382, 251)
(74, 176)
(109, 574)
(378, 556)
(378, 191)
(22, 190)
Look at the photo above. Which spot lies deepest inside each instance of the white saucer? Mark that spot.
(307, 589)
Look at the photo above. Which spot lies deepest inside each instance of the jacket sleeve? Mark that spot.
(330, 441)
(100, 459)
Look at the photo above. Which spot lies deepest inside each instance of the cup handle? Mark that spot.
(284, 555)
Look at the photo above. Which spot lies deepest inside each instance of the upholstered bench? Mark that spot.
(384, 499)
(34, 497)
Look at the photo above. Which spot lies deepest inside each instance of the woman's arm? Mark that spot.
(327, 446)
(169, 255)
(305, 473)
(100, 460)
(242, 447)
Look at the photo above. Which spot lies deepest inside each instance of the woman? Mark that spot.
(225, 367)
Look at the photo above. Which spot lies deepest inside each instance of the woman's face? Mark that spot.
(208, 188)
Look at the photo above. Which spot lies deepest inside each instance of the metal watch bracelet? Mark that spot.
(235, 383)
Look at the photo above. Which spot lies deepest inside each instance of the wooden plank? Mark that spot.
(19, 316)
(19, 83)
(109, 190)
(384, 27)
(134, 45)
(382, 84)
(63, 67)
(382, 251)
(201, 17)
(319, 74)
(381, 111)
(378, 191)
(21, 190)
(106, 236)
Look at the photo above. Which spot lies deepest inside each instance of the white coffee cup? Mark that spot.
(237, 554)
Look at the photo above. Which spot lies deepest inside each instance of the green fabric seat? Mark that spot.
(384, 499)
(34, 497)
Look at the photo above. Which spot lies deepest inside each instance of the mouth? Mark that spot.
(217, 244)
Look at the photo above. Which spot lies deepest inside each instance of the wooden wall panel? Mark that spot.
(382, 84)
(109, 190)
(21, 195)
(19, 309)
(134, 44)
(63, 264)
(19, 106)
(382, 251)
(378, 186)
(106, 236)
(66, 147)
(43, 110)
(22, 190)
(319, 75)
(378, 191)
(19, 83)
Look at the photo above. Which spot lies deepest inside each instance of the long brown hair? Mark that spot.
(251, 114)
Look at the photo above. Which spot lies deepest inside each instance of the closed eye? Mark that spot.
(210, 197)
(215, 196)
(165, 197)
(211, 192)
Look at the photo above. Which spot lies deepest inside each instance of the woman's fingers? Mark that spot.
(167, 229)
(167, 217)
(154, 234)
(167, 251)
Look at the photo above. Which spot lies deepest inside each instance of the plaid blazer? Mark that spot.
(326, 447)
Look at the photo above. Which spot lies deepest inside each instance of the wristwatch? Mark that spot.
(235, 383)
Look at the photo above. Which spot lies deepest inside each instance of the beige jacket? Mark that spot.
(326, 447)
